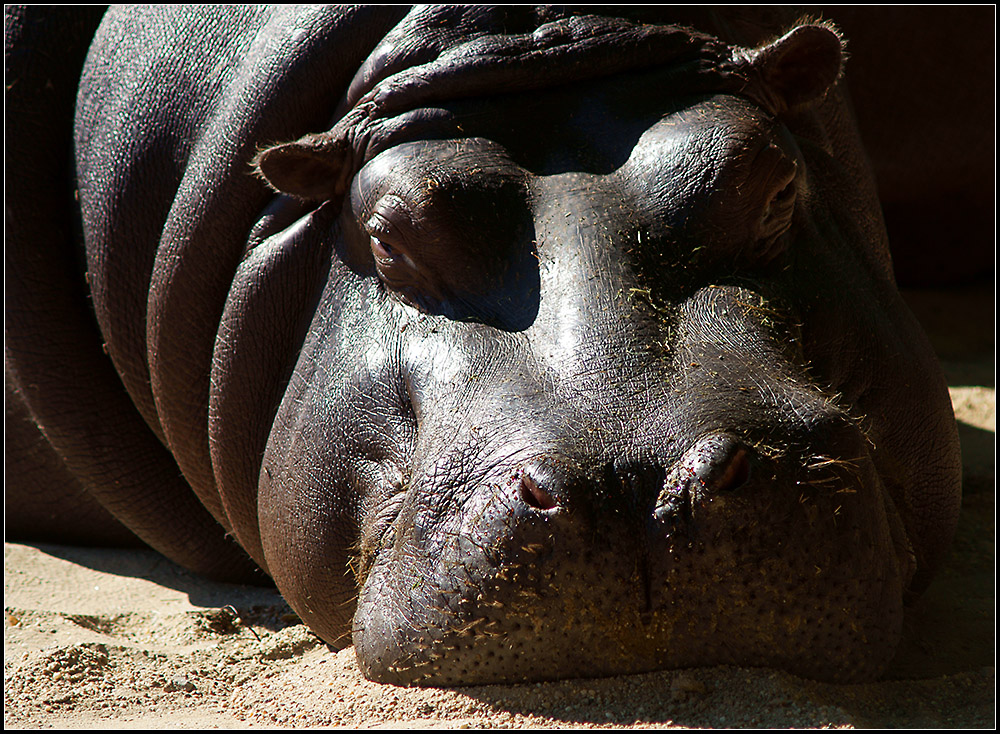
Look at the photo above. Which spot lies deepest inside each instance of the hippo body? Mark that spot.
(512, 344)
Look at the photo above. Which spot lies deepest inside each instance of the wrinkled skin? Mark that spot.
(571, 349)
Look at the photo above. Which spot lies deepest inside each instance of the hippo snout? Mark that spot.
(730, 552)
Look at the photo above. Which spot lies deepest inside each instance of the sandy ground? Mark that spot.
(98, 638)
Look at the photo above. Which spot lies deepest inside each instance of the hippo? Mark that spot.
(510, 344)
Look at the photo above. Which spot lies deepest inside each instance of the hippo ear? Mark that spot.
(311, 168)
(802, 64)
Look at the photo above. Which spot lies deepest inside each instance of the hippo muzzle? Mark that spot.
(731, 512)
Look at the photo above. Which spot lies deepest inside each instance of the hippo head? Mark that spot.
(608, 371)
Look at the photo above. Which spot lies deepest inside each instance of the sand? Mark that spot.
(100, 638)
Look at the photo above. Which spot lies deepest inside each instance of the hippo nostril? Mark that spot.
(715, 464)
(718, 463)
(736, 474)
(535, 496)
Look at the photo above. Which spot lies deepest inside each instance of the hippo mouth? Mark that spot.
(739, 558)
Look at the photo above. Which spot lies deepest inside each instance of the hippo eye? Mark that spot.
(382, 250)
(384, 242)
(389, 249)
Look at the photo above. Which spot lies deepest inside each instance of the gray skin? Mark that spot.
(548, 346)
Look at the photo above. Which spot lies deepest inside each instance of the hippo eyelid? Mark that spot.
(386, 239)
(383, 251)
(393, 210)
(388, 256)
(388, 249)
(379, 226)
(392, 219)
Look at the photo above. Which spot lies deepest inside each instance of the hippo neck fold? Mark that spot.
(398, 92)
(554, 53)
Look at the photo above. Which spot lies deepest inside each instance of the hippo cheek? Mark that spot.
(334, 450)
(735, 555)
(301, 545)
